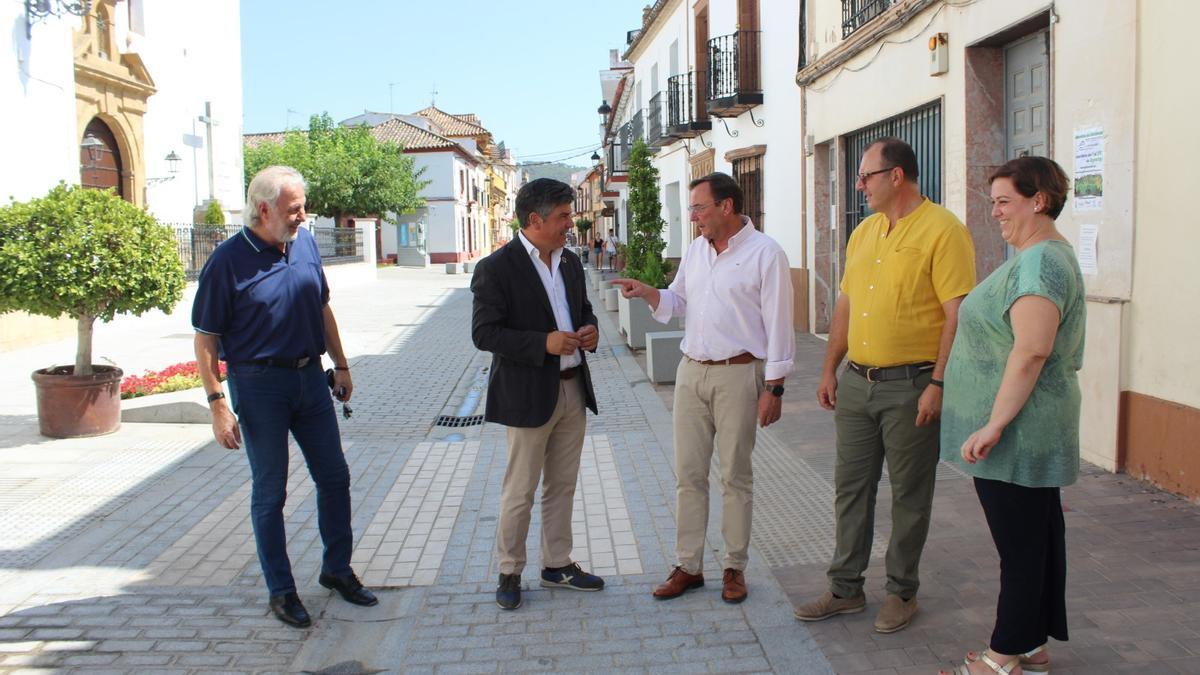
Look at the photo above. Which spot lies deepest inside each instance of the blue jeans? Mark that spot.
(270, 402)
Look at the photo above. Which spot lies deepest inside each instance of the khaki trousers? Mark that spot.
(877, 421)
(714, 403)
(550, 452)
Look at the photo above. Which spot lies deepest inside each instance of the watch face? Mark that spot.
(777, 390)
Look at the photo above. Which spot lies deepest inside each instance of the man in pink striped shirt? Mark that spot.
(734, 290)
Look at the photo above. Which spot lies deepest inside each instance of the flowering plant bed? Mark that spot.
(172, 378)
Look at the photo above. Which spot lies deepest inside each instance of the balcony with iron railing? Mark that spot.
(734, 74)
(656, 128)
(856, 13)
(686, 115)
(637, 128)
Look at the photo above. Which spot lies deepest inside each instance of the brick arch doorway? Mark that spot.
(107, 169)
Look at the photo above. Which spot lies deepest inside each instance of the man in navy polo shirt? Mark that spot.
(262, 306)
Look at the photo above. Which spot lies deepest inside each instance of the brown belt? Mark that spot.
(740, 359)
(569, 373)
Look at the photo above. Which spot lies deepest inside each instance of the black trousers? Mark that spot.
(1030, 535)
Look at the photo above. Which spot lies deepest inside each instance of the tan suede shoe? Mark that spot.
(895, 614)
(827, 605)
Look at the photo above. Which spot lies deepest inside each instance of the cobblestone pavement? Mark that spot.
(133, 552)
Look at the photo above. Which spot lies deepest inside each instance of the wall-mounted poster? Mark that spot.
(1089, 169)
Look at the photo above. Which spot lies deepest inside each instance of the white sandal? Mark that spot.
(965, 668)
(1026, 666)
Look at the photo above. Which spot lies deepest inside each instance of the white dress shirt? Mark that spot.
(735, 302)
(555, 290)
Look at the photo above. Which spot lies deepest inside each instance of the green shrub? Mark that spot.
(87, 254)
(213, 215)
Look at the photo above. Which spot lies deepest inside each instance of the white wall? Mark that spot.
(37, 118)
(193, 57)
(779, 113)
(1161, 358)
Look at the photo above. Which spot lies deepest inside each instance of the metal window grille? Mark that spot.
(922, 129)
(856, 13)
(748, 172)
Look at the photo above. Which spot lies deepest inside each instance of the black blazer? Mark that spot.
(511, 316)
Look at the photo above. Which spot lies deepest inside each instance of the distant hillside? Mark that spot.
(557, 171)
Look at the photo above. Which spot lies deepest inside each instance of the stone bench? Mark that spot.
(663, 355)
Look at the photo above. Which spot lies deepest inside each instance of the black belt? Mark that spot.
(906, 372)
(568, 373)
(281, 363)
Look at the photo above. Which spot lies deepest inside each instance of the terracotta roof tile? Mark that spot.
(453, 125)
(409, 136)
(394, 130)
(255, 140)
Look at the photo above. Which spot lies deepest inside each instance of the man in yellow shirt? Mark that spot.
(908, 267)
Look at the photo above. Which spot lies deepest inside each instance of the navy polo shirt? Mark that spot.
(262, 302)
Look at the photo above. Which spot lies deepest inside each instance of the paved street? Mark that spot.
(133, 552)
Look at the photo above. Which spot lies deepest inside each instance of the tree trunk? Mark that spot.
(83, 353)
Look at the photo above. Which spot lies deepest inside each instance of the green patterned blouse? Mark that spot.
(1040, 447)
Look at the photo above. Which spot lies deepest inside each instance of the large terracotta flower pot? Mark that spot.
(71, 406)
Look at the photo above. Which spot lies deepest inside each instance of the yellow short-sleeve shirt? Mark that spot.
(897, 282)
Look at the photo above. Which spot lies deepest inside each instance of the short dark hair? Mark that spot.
(898, 154)
(1031, 175)
(723, 187)
(541, 196)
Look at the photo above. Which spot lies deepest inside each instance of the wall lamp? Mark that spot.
(36, 10)
(172, 167)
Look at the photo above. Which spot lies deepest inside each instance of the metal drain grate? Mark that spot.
(458, 421)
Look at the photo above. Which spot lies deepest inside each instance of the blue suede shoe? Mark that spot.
(572, 577)
(508, 593)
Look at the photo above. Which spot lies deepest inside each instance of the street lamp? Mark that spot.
(596, 156)
(604, 108)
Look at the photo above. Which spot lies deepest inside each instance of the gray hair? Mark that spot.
(266, 186)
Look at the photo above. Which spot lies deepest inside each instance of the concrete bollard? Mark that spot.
(663, 355)
(611, 298)
(451, 268)
(469, 267)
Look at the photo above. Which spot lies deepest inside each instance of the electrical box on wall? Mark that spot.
(939, 54)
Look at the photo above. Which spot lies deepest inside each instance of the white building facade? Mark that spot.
(711, 91)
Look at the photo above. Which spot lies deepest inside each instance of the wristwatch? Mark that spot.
(776, 390)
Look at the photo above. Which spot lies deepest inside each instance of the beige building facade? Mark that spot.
(1098, 85)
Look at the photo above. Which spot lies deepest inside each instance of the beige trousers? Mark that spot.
(550, 452)
(714, 403)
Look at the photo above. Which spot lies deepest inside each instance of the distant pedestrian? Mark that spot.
(532, 312)
(262, 306)
(908, 266)
(610, 249)
(597, 248)
(1011, 417)
(738, 347)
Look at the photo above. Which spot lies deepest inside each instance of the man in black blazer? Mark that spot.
(531, 311)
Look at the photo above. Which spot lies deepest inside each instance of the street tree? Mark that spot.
(643, 251)
(349, 172)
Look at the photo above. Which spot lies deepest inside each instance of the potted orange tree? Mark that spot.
(86, 254)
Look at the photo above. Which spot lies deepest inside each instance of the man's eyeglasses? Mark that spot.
(696, 208)
(862, 177)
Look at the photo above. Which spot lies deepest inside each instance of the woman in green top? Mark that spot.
(1011, 411)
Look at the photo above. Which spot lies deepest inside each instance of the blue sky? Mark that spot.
(529, 69)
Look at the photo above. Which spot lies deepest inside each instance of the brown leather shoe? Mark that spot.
(734, 588)
(677, 584)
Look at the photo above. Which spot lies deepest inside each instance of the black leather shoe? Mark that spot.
(350, 588)
(288, 609)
